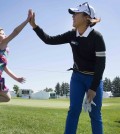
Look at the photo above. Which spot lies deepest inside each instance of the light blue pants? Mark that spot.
(79, 84)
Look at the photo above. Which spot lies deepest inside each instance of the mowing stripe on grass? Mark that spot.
(51, 103)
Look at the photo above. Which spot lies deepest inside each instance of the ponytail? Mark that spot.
(94, 21)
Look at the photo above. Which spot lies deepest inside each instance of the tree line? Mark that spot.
(60, 89)
(113, 86)
(108, 85)
(64, 88)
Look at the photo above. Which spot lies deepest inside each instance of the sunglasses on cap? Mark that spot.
(86, 3)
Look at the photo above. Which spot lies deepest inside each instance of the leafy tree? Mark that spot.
(67, 88)
(57, 89)
(116, 87)
(16, 89)
(48, 89)
(64, 89)
(107, 84)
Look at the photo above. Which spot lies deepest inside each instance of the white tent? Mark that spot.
(107, 94)
(40, 95)
(12, 93)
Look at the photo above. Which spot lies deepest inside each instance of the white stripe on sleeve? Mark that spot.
(101, 54)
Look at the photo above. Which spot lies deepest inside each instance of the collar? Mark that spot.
(85, 34)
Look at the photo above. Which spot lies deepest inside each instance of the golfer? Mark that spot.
(88, 50)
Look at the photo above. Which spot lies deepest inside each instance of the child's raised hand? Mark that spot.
(30, 14)
(32, 20)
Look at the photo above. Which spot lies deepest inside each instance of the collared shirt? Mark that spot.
(86, 33)
(88, 52)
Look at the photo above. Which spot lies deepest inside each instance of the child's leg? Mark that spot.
(5, 96)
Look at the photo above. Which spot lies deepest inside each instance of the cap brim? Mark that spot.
(73, 10)
(70, 11)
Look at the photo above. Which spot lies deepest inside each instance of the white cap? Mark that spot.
(85, 7)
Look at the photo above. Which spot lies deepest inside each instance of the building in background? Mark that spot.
(13, 94)
(25, 93)
(40, 95)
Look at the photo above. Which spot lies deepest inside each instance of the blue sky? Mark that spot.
(43, 65)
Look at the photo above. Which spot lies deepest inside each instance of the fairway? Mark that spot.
(50, 103)
(27, 116)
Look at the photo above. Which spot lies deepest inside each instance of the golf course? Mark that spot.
(28, 116)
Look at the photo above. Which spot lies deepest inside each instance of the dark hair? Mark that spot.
(1, 28)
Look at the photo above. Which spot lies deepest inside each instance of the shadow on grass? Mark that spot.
(117, 121)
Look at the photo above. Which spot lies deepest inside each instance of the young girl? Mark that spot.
(4, 40)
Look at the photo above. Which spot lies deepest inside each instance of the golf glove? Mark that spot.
(87, 105)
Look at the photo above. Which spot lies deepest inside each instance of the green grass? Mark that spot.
(22, 116)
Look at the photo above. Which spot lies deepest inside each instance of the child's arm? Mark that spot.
(16, 31)
(12, 75)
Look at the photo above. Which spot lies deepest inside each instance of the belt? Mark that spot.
(83, 72)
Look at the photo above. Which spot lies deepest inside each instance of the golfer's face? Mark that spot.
(78, 20)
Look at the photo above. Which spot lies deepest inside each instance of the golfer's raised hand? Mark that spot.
(32, 20)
